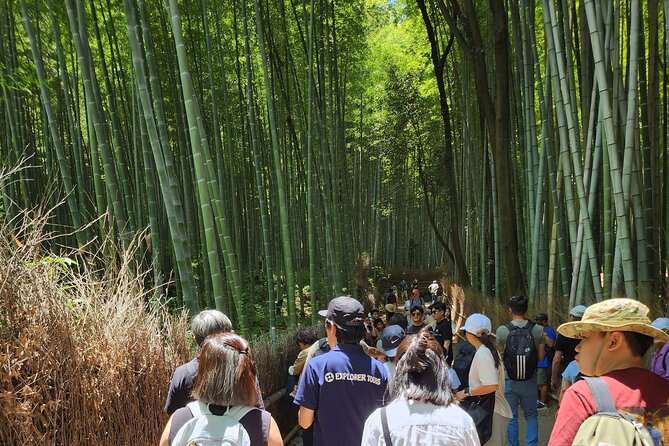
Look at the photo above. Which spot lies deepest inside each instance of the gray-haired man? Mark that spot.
(205, 323)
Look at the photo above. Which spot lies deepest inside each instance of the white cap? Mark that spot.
(477, 324)
(661, 323)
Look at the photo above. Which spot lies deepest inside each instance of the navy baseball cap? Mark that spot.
(391, 338)
(344, 311)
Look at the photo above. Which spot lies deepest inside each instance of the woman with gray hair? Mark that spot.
(422, 410)
(225, 393)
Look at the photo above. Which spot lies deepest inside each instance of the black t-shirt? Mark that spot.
(413, 329)
(181, 386)
(256, 423)
(443, 331)
(567, 346)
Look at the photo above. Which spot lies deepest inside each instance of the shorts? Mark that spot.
(543, 376)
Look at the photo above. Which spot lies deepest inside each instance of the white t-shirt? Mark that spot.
(417, 423)
(433, 288)
(483, 373)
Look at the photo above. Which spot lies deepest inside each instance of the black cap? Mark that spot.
(344, 311)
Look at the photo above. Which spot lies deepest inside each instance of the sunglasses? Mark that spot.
(416, 312)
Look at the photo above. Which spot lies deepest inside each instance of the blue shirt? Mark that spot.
(546, 363)
(571, 372)
(343, 387)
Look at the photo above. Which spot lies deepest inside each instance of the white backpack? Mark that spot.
(608, 427)
(207, 429)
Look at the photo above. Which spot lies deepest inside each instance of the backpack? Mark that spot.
(323, 347)
(463, 362)
(207, 429)
(520, 352)
(608, 426)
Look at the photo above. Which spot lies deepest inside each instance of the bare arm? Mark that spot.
(555, 369)
(541, 351)
(305, 417)
(165, 437)
(565, 386)
(274, 437)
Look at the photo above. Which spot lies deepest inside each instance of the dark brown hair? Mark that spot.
(226, 375)
(421, 373)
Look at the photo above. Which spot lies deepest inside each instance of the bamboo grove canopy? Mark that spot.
(265, 152)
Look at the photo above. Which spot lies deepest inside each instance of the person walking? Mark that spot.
(544, 367)
(521, 343)
(433, 288)
(417, 320)
(339, 389)
(422, 408)
(443, 329)
(614, 334)
(205, 323)
(486, 376)
(225, 392)
(565, 349)
(659, 362)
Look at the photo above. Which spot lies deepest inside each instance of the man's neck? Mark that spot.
(518, 317)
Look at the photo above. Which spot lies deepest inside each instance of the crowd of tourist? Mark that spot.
(399, 375)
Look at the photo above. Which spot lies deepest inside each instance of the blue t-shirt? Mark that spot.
(548, 353)
(571, 372)
(343, 387)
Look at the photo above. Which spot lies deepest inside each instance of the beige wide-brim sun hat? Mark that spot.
(620, 314)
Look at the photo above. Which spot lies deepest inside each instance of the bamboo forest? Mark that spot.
(260, 157)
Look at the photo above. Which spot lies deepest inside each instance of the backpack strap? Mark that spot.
(266, 421)
(198, 408)
(384, 426)
(600, 391)
(238, 412)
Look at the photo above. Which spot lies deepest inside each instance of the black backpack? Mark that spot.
(520, 352)
(463, 362)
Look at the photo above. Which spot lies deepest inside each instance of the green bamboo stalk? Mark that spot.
(64, 168)
(260, 185)
(170, 199)
(623, 233)
(276, 152)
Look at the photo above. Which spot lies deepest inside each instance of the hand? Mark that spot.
(554, 384)
(460, 395)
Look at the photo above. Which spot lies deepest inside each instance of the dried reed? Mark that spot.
(84, 359)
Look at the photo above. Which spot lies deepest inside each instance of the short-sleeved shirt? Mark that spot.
(546, 363)
(567, 346)
(537, 333)
(413, 329)
(635, 391)
(571, 372)
(343, 387)
(181, 386)
(443, 331)
(484, 373)
(419, 423)
(659, 363)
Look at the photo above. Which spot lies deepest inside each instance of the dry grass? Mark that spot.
(84, 359)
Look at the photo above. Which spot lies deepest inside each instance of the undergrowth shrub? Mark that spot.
(84, 359)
